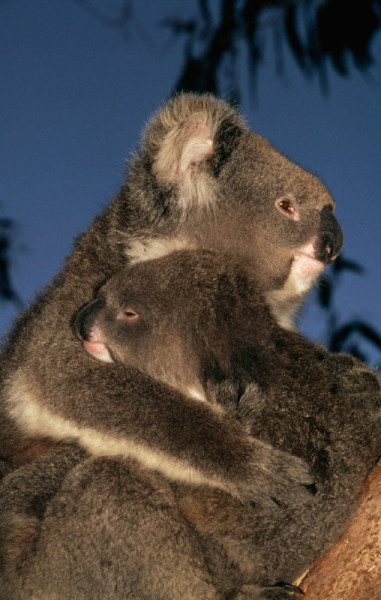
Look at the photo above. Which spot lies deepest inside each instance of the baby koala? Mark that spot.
(197, 321)
(171, 318)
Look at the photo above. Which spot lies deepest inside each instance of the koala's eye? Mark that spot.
(128, 314)
(287, 207)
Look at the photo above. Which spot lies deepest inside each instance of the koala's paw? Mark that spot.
(351, 377)
(278, 478)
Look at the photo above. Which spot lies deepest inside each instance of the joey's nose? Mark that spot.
(85, 319)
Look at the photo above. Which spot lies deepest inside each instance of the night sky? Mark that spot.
(75, 96)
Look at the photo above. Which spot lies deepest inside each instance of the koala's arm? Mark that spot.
(111, 409)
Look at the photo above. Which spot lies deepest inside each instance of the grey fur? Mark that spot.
(114, 530)
(200, 179)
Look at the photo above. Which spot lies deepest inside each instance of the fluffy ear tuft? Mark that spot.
(180, 162)
(182, 150)
(181, 140)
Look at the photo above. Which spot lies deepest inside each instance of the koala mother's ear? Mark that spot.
(183, 149)
(181, 161)
(183, 139)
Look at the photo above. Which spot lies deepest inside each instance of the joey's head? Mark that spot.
(223, 187)
(157, 316)
(177, 318)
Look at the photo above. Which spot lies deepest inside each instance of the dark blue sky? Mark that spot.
(75, 96)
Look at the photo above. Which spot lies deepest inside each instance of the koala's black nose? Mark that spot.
(327, 248)
(85, 319)
(331, 237)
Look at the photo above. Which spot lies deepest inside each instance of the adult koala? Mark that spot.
(201, 179)
(113, 530)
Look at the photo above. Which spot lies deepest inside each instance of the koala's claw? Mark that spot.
(289, 587)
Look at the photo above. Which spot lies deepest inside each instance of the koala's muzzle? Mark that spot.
(85, 320)
(330, 237)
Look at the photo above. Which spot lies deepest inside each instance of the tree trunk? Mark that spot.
(352, 569)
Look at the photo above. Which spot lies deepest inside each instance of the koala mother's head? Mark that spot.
(207, 181)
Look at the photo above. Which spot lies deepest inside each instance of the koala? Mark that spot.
(201, 179)
(201, 315)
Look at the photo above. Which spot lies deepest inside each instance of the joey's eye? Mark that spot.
(287, 207)
(128, 314)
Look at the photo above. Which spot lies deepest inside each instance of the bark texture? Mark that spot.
(352, 569)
